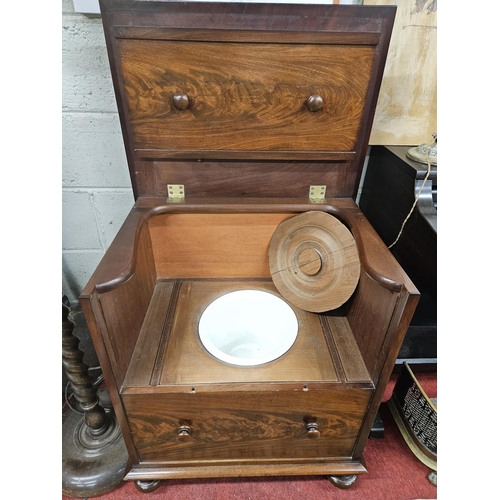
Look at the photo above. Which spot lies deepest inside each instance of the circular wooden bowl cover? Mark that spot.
(314, 261)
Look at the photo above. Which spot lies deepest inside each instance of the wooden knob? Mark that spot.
(312, 429)
(314, 103)
(181, 101)
(309, 262)
(183, 433)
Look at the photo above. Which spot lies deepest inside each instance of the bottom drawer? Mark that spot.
(243, 425)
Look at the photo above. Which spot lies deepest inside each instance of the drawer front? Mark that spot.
(246, 426)
(244, 96)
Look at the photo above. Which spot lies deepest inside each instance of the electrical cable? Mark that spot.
(429, 147)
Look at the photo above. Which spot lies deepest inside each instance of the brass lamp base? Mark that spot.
(425, 152)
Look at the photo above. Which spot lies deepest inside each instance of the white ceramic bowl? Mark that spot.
(248, 327)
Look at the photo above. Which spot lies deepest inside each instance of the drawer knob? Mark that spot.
(181, 101)
(312, 430)
(314, 103)
(183, 433)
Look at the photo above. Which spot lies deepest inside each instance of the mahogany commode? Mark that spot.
(236, 118)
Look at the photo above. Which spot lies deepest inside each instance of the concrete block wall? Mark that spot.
(96, 189)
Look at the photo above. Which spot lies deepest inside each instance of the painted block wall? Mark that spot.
(96, 189)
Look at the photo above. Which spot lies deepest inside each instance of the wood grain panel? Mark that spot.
(244, 36)
(125, 307)
(274, 179)
(255, 425)
(244, 96)
(264, 64)
(249, 468)
(213, 245)
(188, 362)
(146, 349)
(369, 315)
(248, 17)
(350, 356)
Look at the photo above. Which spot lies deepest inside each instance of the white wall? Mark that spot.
(96, 188)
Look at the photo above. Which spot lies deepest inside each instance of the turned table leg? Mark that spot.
(94, 455)
(76, 370)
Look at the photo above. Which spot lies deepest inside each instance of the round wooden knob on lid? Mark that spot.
(181, 101)
(312, 429)
(314, 103)
(309, 262)
(314, 261)
(184, 433)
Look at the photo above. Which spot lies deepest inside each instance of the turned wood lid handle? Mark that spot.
(312, 430)
(184, 433)
(309, 262)
(314, 103)
(181, 101)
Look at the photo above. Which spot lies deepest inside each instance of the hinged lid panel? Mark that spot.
(248, 90)
(241, 98)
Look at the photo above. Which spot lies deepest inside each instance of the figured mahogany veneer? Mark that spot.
(247, 426)
(246, 105)
(241, 97)
(248, 89)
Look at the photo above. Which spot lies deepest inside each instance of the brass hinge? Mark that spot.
(175, 193)
(317, 194)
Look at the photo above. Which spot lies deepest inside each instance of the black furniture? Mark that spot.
(389, 190)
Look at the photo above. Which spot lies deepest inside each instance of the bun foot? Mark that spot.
(343, 482)
(147, 486)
